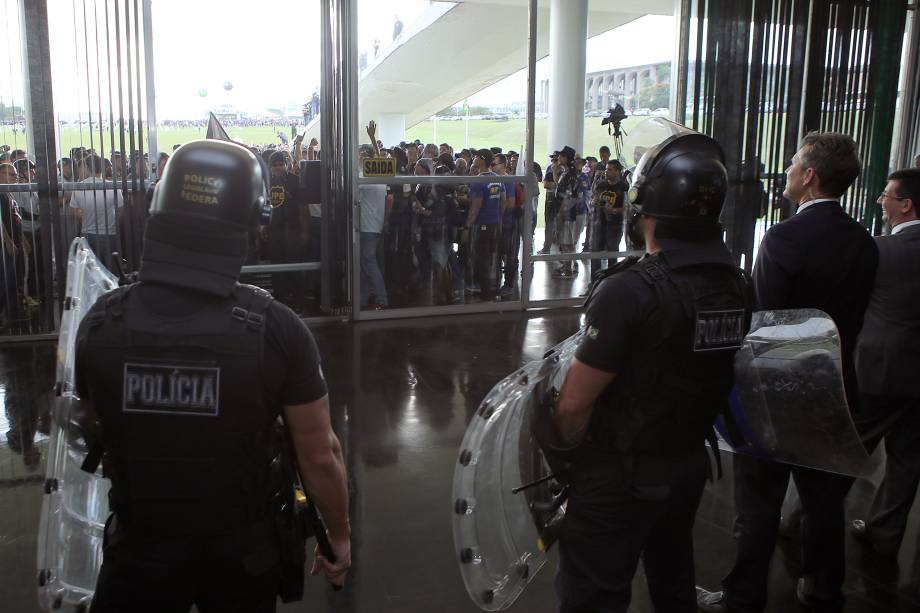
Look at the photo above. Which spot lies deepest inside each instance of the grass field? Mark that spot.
(508, 134)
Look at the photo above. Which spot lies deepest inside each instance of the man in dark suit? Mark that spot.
(887, 358)
(820, 258)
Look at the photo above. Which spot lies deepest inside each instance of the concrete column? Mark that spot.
(568, 37)
(603, 97)
(37, 104)
(391, 128)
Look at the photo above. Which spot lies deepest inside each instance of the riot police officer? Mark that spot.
(187, 373)
(651, 374)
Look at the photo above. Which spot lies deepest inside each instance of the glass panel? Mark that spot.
(20, 264)
(583, 214)
(439, 116)
(415, 252)
(258, 105)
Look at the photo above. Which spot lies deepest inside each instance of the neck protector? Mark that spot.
(202, 257)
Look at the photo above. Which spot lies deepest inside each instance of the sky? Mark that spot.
(268, 51)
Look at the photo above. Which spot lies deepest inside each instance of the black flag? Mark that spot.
(215, 130)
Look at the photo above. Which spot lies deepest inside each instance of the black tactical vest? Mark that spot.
(188, 430)
(679, 380)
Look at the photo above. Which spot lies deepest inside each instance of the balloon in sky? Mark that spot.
(203, 92)
(228, 85)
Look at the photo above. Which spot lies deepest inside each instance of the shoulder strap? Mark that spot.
(602, 274)
(253, 305)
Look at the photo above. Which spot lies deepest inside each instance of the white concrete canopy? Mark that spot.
(422, 73)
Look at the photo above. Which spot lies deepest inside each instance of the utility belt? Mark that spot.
(637, 470)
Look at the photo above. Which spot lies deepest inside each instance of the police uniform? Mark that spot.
(188, 371)
(668, 326)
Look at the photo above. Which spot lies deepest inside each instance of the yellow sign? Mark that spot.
(380, 167)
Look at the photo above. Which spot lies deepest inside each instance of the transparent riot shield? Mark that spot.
(648, 134)
(501, 531)
(789, 402)
(75, 506)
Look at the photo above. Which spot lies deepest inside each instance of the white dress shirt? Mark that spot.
(808, 203)
(904, 225)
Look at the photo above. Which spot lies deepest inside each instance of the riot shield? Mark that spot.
(501, 530)
(648, 134)
(75, 506)
(789, 402)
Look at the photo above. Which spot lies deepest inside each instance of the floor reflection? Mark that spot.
(401, 394)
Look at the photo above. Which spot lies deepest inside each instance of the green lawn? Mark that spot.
(510, 135)
(72, 136)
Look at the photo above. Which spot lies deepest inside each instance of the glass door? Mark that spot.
(440, 197)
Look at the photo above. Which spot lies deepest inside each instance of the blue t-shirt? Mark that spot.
(511, 191)
(491, 194)
(584, 188)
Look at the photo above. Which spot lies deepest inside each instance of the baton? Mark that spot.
(309, 509)
(316, 524)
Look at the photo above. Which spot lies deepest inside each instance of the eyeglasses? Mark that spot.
(886, 195)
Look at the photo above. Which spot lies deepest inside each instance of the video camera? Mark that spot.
(613, 121)
(616, 116)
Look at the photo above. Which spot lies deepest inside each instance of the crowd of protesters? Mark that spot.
(103, 216)
(421, 243)
(449, 243)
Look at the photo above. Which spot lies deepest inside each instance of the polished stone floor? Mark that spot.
(401, 393)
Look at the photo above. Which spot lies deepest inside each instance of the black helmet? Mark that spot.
(681, 179)
(213, 180)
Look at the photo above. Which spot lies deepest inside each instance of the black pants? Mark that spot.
(759, 491)
(286, 245)
(897, 420)
(610, 522)
(485, 250)
(550, 211)
(604, 235)
(219, 575)
(510, 246)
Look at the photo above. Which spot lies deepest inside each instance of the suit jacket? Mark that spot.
(822, 259)
(888, 351)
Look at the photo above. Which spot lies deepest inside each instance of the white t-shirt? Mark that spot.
(372, 201)
(98, 208)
